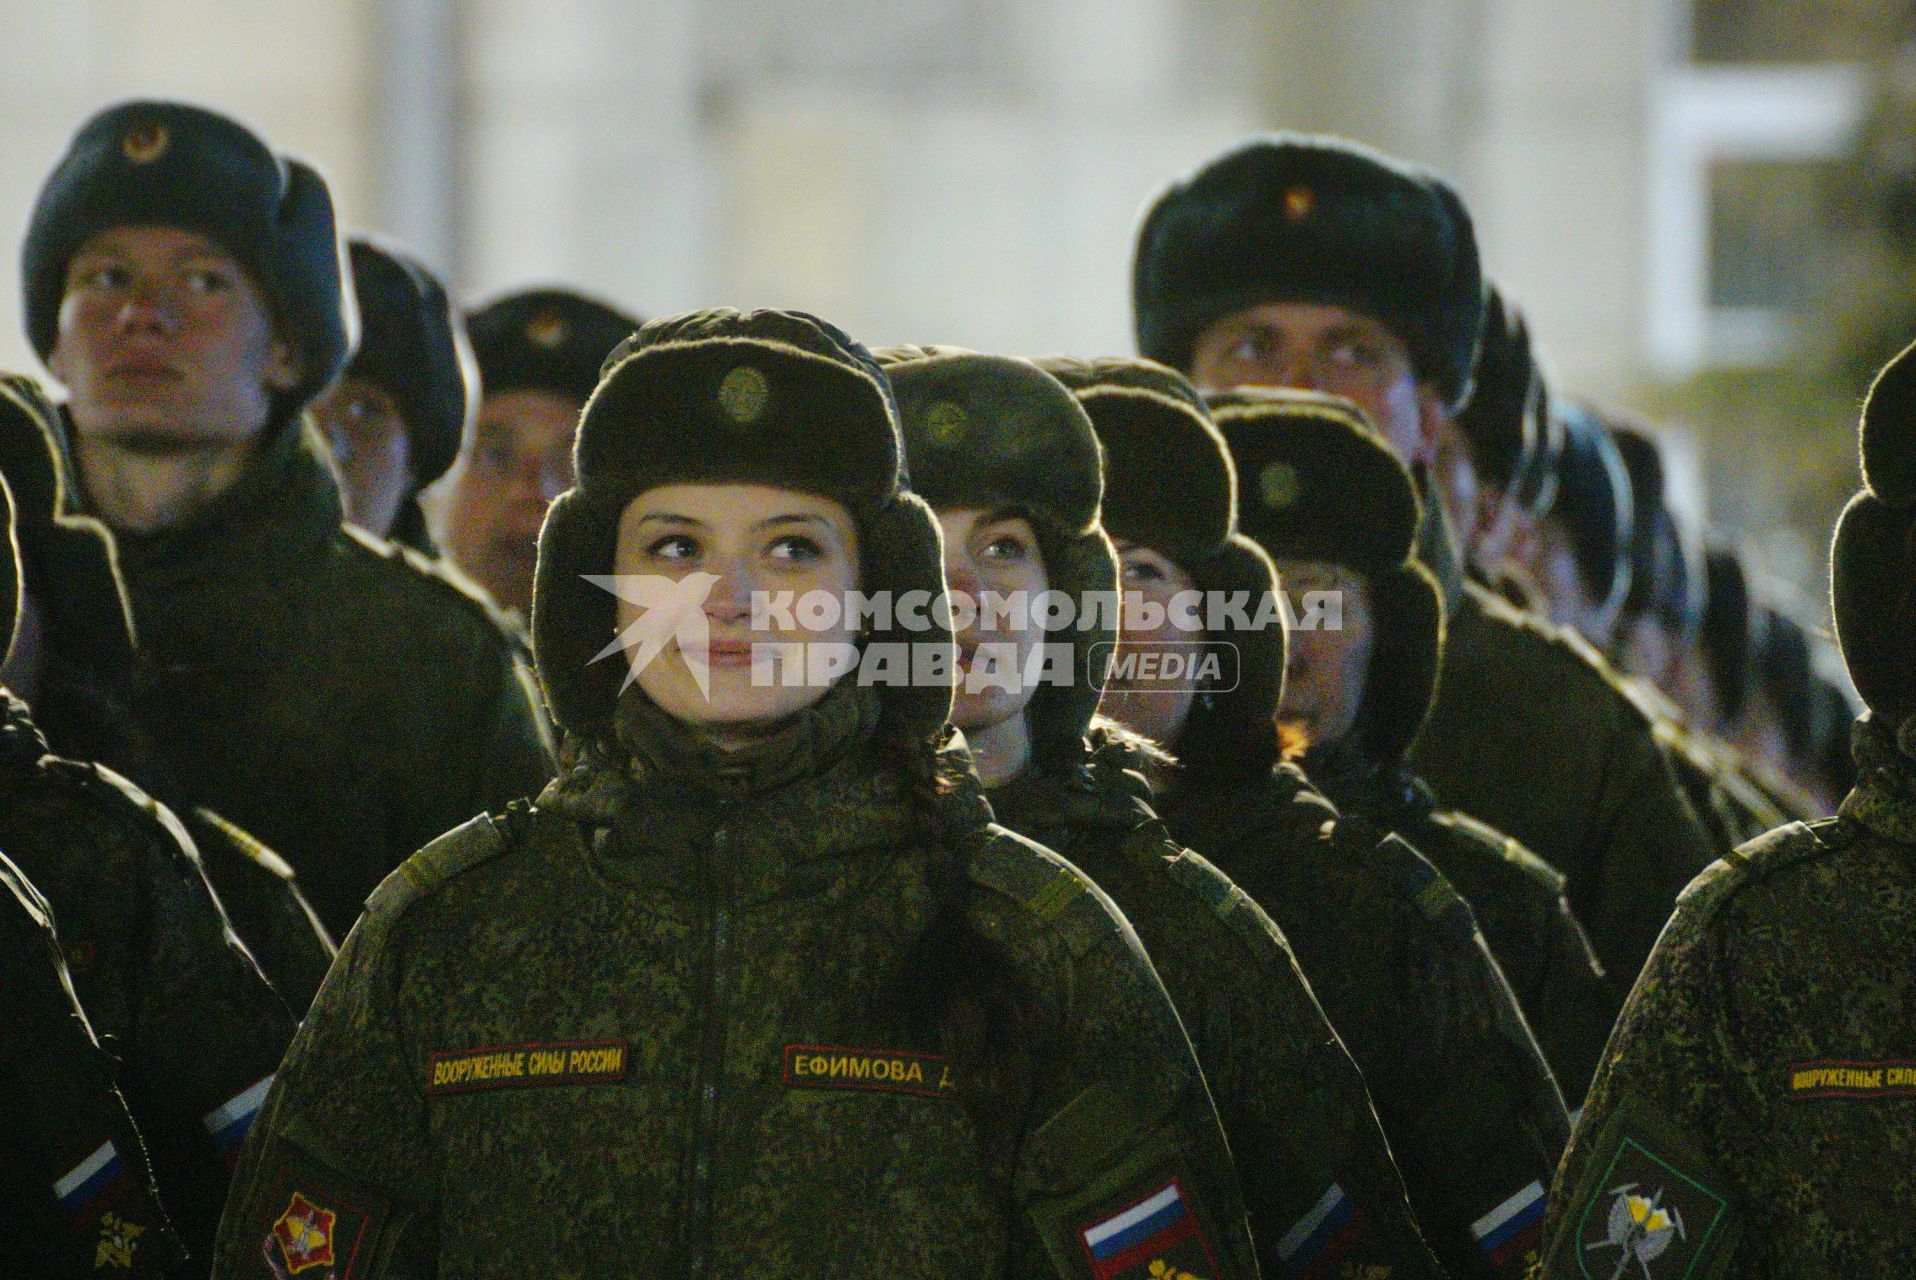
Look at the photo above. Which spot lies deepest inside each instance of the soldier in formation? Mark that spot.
(1043, 954)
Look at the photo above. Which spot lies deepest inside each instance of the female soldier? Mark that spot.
(1011, 464)
(754, 989)
(1356, 695)
(1465, 1100)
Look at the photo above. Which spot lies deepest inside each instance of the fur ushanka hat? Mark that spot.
(764, 397)
(1316, 482)
(1873, 556)
(999, 432)
(1289, 218)
(1169, 485)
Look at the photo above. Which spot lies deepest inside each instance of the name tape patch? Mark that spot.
(526, 1066)
(817, 1066)
(1831, 1078)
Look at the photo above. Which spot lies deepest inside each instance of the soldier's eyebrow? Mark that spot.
(797, 517)
(1000, 515)
(1355, 330)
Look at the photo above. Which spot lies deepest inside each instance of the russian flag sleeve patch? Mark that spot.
(92, 1184)
(232, 1120)
(1157, 1237)
(1321, 1238)
(1509, 1232)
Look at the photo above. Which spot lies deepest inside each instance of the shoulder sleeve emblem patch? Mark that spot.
(1507, 1235)
(314, 1226)
(1320, 1239)
(1649, 1207)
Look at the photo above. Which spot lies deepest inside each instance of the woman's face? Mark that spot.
(1328, 656)
(1155, 706)
(694, 557)
(991, 557)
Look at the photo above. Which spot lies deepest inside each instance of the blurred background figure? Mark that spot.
(396, 416)
(539, 354)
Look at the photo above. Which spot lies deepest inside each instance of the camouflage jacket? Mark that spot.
(1318, 1178)
(83, 718)
(339, 697)
(76, 1194)
(1520, 905)
(170, 991)
(1394, 955)
(1530, 734)
(772, 1016)
(1755, 1115)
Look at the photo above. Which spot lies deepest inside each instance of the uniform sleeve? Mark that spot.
(265, 906)
(1576, 1004)
(1322, 1190)
(205, 1030)
(77, 1193)
(1123, 1173)
(1646, 842)
(1636, 1188)
(1473, 1114)
(335, 1174)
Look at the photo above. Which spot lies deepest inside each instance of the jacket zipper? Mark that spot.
(696, 1233)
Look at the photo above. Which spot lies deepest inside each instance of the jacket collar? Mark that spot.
(1884, 798)
(284, 507)
(664, 808)
(1388, 795)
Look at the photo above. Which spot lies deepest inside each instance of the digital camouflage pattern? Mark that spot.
(1521, 907)
(76, 1194)
(1530, 734)
(1396, 961)
(171, 993)
(1755, 1115)
(341, 699)
(1324, 1197)
(778, 1016)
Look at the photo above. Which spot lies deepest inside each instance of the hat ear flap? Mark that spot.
(1408, 639)
(314, 282)
(1085, 568)
(903, 552)
(1873, 603)
(572, 619)
(1229, 733)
